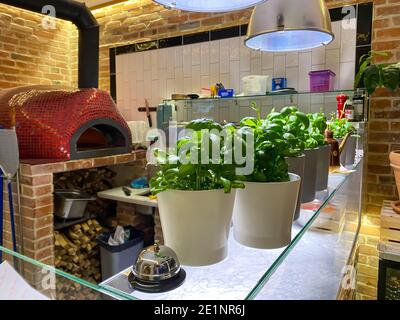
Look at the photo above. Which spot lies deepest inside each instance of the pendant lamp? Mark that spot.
(208, 5)
(289, 25)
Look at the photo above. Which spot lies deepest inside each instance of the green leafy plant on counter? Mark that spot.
(377, 75)
(270, 147)
(177, 172)
(340, 127)
(318, 125)
(294, 125)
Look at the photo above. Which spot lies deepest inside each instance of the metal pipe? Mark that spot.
(21, 226)
(1, 213)
(79, 14)
(12, 222)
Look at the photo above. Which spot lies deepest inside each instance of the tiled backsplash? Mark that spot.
(156, 74)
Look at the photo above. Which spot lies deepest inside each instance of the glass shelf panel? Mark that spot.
(236, 108)
(271, 94)
(244, 273)
(55, 284)
(315, 266)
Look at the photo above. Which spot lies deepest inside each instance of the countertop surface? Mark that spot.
(138, 196)
(311, 270)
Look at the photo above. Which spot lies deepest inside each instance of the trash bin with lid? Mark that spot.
(114, 259)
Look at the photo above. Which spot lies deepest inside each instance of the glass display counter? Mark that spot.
(310, 267)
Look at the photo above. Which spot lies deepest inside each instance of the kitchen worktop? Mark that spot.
(138, 196)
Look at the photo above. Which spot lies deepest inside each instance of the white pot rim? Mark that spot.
(302, 155)
(311, 149)
(293, 178)
(196, 191)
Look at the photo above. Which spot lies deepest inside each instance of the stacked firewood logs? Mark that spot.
(90, 182)
(77, 252)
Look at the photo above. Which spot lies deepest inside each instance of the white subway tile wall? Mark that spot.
(155, 75)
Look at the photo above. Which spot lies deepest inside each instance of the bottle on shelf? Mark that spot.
(335, 154)
(358, 105)
(341, 101)
(349, 110)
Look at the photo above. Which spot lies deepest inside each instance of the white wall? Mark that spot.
(156, 74)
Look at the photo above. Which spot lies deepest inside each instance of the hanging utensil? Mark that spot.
(9, 164)
(148, 113)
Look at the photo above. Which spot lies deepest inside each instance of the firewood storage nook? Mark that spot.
(38, 181)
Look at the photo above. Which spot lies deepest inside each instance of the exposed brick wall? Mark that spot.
(384, 136)
(30, 54)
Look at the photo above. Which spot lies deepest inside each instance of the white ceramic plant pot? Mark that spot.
(324, 154)
(343, 154)
(351, 150)
(347, 157)
(310, 175)
(296, 166)
(263, 213)
(196, 224)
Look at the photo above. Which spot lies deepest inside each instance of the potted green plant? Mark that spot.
(196, 198)
(296, 132)
(318, 125)
(375, 76)
(293, 124)
(345, 133)
(264, 209)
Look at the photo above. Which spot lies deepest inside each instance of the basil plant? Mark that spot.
(201, 160)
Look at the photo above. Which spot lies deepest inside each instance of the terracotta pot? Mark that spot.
(395, 164)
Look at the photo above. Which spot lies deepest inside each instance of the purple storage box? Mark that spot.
(322, 80)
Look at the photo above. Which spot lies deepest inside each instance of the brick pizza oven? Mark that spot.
(64, 124)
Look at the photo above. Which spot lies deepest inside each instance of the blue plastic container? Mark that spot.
(279, 83)
(226, 93)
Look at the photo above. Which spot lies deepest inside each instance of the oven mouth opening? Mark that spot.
(100, 137)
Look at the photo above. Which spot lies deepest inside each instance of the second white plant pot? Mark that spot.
(263, 213)
(296, 166)
(324, 155)
(310, 175)
(196, 224)
(347, 157)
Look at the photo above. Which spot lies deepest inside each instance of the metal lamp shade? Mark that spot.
(289, 25)
(208, 5)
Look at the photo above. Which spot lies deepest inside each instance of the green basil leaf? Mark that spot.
(391, 78)
(371, 78)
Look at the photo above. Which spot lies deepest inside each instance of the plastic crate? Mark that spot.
(322, 81)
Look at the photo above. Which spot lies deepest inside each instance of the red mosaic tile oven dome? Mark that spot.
(63, 123)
